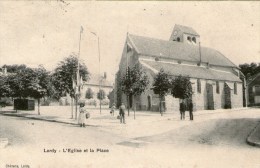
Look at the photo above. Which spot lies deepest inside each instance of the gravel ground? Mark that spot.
(211, 140)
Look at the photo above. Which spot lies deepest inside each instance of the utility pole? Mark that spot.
(200, 53)
(78, 78)
(95, 34)
(100, 96)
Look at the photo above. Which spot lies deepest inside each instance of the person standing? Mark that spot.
(122, 113)
(191, 110)
(182, 111)
(113, 109)
(82, 115)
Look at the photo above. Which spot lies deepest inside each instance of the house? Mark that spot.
(3, 71)
(215, 79)
(253, 90)
(94, 84)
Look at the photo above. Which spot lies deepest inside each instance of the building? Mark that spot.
(95, 83)
(253, 90)
(3, 71)
(215, 79)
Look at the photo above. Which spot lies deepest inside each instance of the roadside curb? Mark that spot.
(41, 119)
(250, 139)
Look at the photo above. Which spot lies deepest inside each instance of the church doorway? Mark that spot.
(227, 92)
(149, 103)
(210, 98)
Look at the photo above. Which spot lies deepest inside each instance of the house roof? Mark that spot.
(95, 79)
(178, 51)
(254, 79)
(191, 71)
(186, 29)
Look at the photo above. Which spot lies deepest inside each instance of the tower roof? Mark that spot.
(185, 29)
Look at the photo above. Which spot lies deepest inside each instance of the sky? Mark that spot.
(45, 32)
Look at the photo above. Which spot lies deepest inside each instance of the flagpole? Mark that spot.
(95, 34)
(200, 53)
(100, 79)
(77, 84)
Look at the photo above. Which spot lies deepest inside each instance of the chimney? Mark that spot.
(105, 75)
(5, 71)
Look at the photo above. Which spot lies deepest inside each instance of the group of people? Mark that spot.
(83, 114)
(183, 109)
(121, 115)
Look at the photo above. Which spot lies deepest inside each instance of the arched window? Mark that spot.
(198, 86)
(189, 38)
(217, 87)
(194, 39)
(235, 88)
(178, 39)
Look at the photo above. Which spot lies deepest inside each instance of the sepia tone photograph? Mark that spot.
(127, 84)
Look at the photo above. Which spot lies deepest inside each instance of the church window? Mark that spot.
(189, 38)
(235, 88)
(217, 87)
(194, 39)
(198, 86)
(178, 39)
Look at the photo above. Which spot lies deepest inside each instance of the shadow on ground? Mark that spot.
(230, 132)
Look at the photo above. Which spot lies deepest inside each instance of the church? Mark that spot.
(216, 82)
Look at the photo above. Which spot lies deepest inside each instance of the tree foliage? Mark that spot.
(118, 89)
(4, 87)
(89, 94)
(181, 87)
(27, 82)
(135, 81)
(101, 94)
(24, 82)
(161, 83)
(65, 73)
(14, 68)
(250, 69)
(42, 85)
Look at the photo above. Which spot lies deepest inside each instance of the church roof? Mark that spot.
(186, 29)
(191, 71)
(178, 51)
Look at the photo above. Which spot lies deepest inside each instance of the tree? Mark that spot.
(89, 94)
(42, 86)
(24, 82)
(118, 89)
(135, 82)
(101, 94)
(14, 68)
(111, 97)
(181, 87)
(161, 85)
(249, 69)
(4, 88)
(65, 74)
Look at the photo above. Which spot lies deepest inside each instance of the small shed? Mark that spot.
(24, 104)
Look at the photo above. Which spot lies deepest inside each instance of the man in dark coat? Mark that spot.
(191, 110)
(122, 113)
(182, 111)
